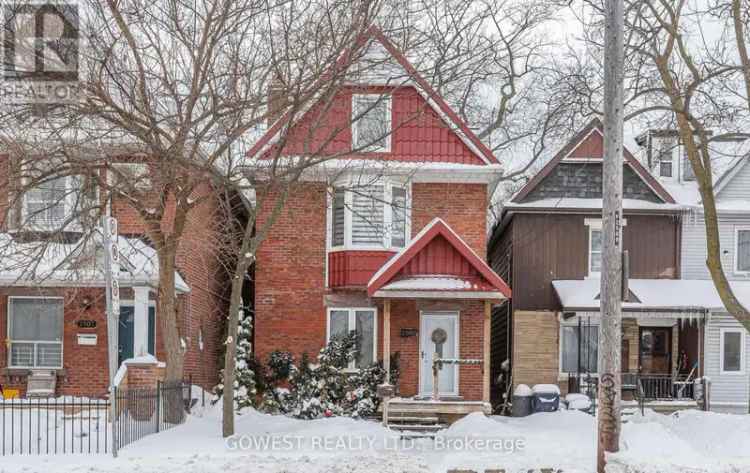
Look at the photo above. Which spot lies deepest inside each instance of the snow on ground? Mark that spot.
(689, 442)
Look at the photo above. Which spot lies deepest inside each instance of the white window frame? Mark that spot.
(34, 342)
(722, 332)
(574, 324)
(672, 144)
(388, 185)
(353, 326)
(356, 99)
(736, 264)
(142, 185)
(68, 203)
(596, 224)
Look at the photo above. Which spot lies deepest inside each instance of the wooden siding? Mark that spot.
(728, 392)
(555, 246)
(694, 245)
(739, 187)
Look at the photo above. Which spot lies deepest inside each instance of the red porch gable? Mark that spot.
(437, 263)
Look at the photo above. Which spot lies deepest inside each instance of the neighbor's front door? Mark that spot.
(126, 332)
(656, 350)
(438, 334)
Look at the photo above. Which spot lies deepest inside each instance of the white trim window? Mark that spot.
(364, 322)
(47, 204)
(371, 123)
(742, 250)
(732, 351)
(35, 331)
(569, 340)
(666, 157)
(372, 216)
(596, 245)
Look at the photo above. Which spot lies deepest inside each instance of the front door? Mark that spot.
(438, 335)
(656, 350)
(126, 332)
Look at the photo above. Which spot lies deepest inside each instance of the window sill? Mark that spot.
(337, 249)
(12, 371)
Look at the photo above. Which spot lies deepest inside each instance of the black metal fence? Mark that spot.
(90, 425)
(45, 426)
(142, 411)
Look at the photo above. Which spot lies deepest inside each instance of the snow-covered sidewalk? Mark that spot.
(692, 441)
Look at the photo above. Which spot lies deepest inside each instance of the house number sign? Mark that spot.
(86, 323)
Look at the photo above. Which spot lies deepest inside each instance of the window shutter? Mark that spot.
(339, 208)
(367, 216)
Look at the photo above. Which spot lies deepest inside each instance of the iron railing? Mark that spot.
(143, 411)
(46, 426)
(89, 425)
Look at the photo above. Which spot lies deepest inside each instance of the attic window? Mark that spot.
(371, 123)
(666, 148)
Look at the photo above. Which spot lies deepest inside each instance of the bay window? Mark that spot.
(363, 322)
(35, 330)
(373, 216)
(371, 123)
(575, 339)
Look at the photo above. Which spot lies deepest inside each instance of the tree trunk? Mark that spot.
(167, 315)
(230, 355)
(739, 33)
(611, 283)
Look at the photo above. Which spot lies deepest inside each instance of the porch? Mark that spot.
(436, 297)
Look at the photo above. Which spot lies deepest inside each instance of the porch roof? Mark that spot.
(650, 295)
(437, 264)
(77, 264)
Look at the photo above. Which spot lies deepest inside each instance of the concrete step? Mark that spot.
(418, 427)
(412, 419)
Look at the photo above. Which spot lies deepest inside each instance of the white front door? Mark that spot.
(438, 334)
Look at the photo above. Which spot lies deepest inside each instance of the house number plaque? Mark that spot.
(86, 323)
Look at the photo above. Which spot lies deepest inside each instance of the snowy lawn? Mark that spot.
(690, 442)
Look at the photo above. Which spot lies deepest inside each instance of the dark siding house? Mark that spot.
(547, 246)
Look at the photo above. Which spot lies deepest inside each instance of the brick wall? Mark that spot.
(85, 367)
(290, 279)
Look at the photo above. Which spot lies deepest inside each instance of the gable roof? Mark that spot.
(587, 145)
(490, 283)
(435, 100)
(729, 174)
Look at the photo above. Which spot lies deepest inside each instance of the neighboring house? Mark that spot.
(389, 238)
(726, 342)
(52, 297)
(548, 246)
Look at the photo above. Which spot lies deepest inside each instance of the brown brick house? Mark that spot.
(388, 240)
(52, 297)
(547, 245)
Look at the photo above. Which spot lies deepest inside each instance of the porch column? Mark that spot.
(486, 352)
(140, 321)
(387, 339)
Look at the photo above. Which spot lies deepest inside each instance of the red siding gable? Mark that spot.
(419, 133)
(591, 147)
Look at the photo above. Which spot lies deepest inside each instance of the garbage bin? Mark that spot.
(546, 397)
(522, 401)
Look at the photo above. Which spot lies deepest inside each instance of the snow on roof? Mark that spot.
(675, 294)
(588, 204)
(430, 283)
(77, 263)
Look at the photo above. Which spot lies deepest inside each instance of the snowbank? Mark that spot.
(566, 440)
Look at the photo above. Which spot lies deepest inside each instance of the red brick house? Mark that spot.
(52, 297)
(388, 236)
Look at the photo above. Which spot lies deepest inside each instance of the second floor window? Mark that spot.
(742, 250)
(595, 251)
(370, 216)
(371, 123)
(46, 204)
(666, 151)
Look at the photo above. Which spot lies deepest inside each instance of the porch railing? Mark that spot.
(645, 387)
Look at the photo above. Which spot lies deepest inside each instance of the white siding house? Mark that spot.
(726, 342)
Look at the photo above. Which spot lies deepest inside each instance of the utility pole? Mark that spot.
(611, 282)
(112, 293)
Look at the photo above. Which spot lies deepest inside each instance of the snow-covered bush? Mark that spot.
(245, 377)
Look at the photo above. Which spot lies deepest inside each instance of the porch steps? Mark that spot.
(413, 424)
